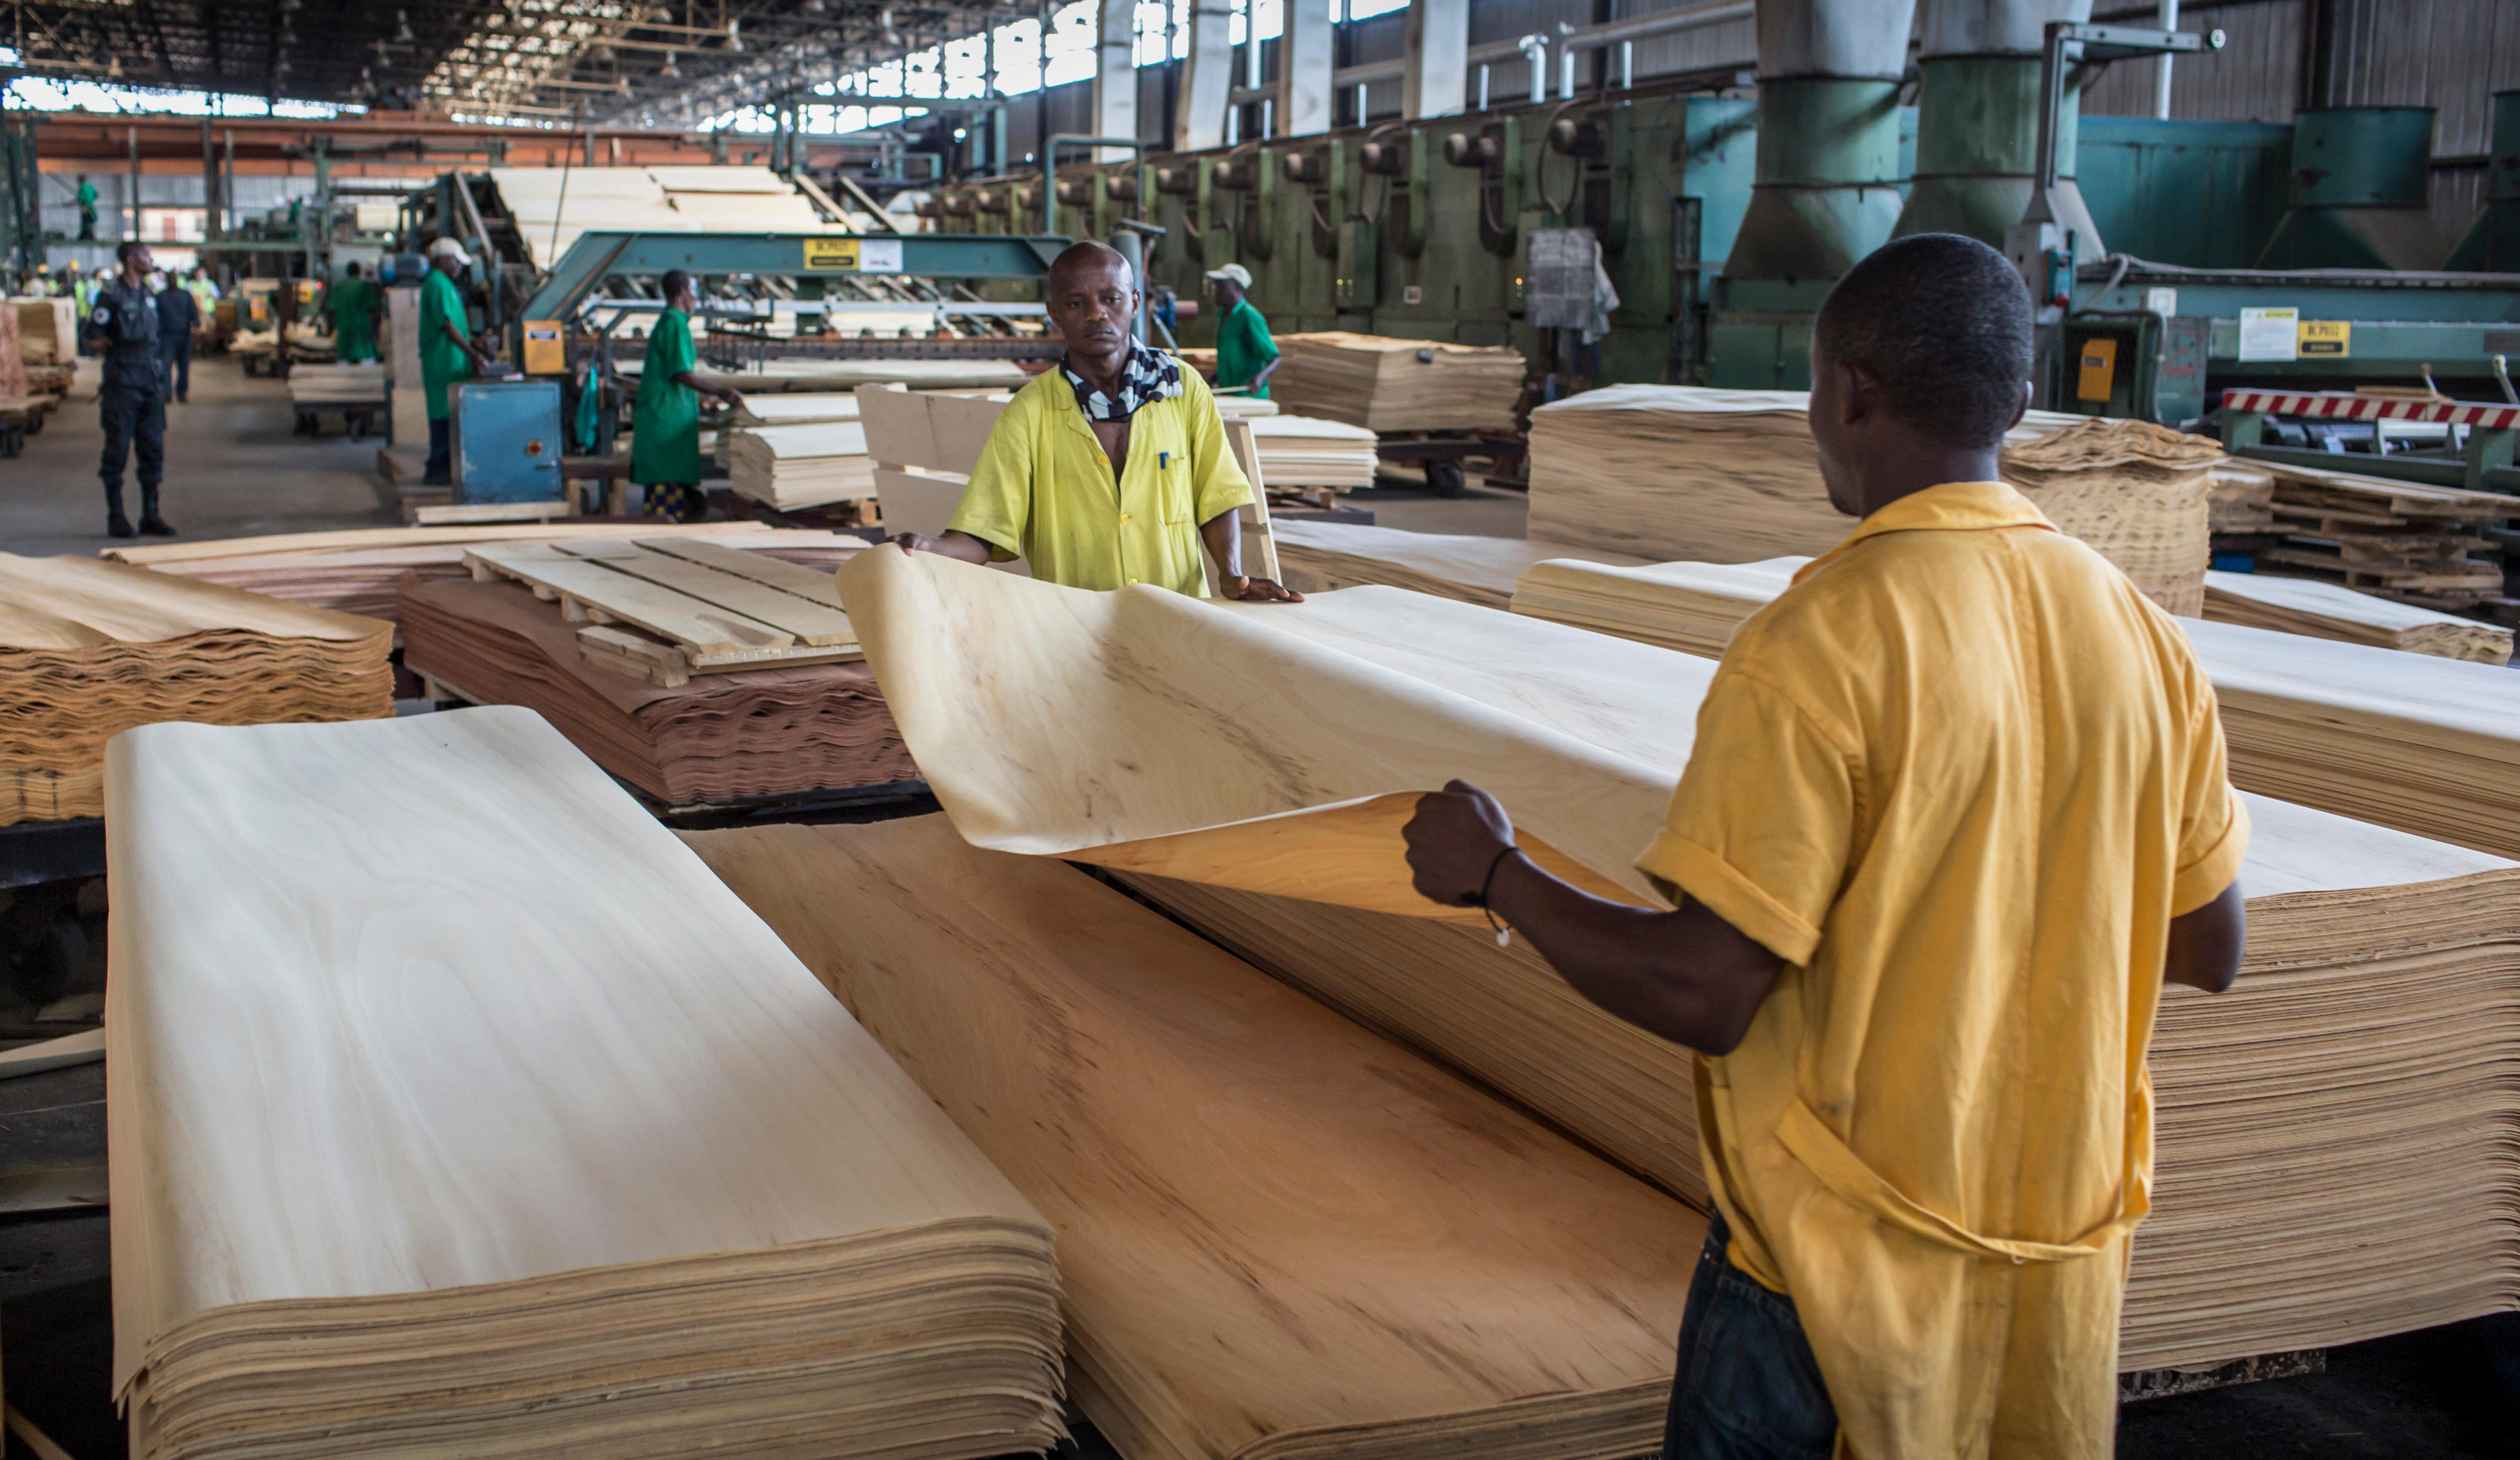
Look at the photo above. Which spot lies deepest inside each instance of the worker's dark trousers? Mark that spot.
(133, 417)
(441, 455)
(87, 227)
(1747, 1387)
(176, 356)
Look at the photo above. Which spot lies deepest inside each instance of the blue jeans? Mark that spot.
(1747, 1387)
(177, 357)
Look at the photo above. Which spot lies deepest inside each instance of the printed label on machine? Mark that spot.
(2333, 338)
(2272, 333)
(871, 256)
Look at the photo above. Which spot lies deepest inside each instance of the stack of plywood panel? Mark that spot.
(601, 1169)
(1674, 472)
(1299, 451)
(1280, 1237)
(47, 329)
(1383, 384)
(762, 410)
(2332, 611)
(360, 571)
(2135, 491)
(90, 649)
(2239, 497)
(790, 467)
(2398, 538)
(1319, 557)
(2423, 743)
(2336, 1144)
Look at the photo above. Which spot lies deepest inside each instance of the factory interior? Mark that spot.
(733, 883)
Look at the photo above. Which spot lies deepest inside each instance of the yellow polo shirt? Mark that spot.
(1043, 489)
(1959, 777)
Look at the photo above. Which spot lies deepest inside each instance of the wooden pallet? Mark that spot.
(665, 608)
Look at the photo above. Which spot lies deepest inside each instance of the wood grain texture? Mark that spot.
(2332, 611)
(2381, 998)
(1280, 1235)
(1385, 384)
(455, 1108)
(1482, 570)
(2423, 743)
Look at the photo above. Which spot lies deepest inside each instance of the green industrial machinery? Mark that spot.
(22, 215)
(2493, 242)
(2362, 192)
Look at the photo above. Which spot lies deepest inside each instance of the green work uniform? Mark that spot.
(1243, 348)
(352, 305)
(442, 362)
(665, 423)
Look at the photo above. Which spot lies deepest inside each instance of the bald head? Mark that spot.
(1093, 302)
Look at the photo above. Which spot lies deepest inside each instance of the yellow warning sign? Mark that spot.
(831, 254)
(2099, 368)
(2327, 336)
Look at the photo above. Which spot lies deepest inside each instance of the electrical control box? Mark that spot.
(545, 353)
(506, 439)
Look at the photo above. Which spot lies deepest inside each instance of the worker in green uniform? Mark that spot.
(448, 354)
(88, 209)
(665, 420)
(352, 302)
(1244, 352)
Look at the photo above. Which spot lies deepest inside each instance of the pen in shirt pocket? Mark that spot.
(1163, 461)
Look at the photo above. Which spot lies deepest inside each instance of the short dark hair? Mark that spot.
(354, 271)
(1942, 323)
(122, 251)
(676, 281)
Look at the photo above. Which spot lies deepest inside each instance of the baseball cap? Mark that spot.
(448, 248)
(1233, 271)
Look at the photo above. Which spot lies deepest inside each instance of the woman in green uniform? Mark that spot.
(665, 423)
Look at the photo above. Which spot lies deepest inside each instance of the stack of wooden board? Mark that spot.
(1322, 556)
(13, 359)
(667, 608)
(2379, 1035)
(801, 409)
(1299, 451)
(338, 385)
(2239, 497)
(455, 1109)
(2398, 538)
(2134, 491)
(2332, 611)
(359, 571)
(1280, 1236)
(1383, 384)
(790, 467)
(47, 329)
(824, 375)
(2423, 743)
(712, 737)
(1675, 472)
(91, 648)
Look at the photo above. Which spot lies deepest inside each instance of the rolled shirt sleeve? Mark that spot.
(1761, 824)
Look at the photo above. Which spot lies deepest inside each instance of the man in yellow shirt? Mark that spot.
(1955, 810)
(1112, 470)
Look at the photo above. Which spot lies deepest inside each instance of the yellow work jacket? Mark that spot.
(1043, 489)
(1959, 777)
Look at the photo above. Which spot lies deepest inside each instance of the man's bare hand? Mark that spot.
(917, 542)
(1454, 840)
(1260, 590)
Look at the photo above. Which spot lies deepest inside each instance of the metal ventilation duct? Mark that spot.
(1977, 123)
(1827, 192)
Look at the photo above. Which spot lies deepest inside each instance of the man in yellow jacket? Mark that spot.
(1112, 470)
(1955, 810)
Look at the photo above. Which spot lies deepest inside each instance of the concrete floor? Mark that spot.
(233, 470)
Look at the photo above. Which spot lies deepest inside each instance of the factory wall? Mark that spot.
(2449, 55)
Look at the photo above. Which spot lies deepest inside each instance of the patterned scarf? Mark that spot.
(1152, 376)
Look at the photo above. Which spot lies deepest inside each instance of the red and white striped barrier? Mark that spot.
(2345, 406)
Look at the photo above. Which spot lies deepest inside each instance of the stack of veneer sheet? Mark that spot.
(1383, 384)
(13, 359)
(359, 571)
(2332, 611)
(1280, 1235)
(2338, 1142)
(824, 376)
(90, 649)
(1244, 407)
(801, 465)
(2131, 489)
(457, 1110)
(338, 385)
(1297, 452)
(2423, 743)
(2401, 538)
(2239, 497)
(1322, 556)
(803, 410)
(1677, 472)
(776, 730)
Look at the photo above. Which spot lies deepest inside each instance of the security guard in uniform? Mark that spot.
(123, 327)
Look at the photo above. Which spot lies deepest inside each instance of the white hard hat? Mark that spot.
(1233, 271)
(448, 248)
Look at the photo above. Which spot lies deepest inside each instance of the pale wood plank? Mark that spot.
(810, 624)
(807, 583)
(662, 612)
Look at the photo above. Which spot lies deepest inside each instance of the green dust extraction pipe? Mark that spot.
(2361, 186)
(2492, 245)
(1828, 186)
(1977, 123)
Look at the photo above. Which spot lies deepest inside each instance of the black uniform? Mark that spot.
(123, 326)
(179, 314)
